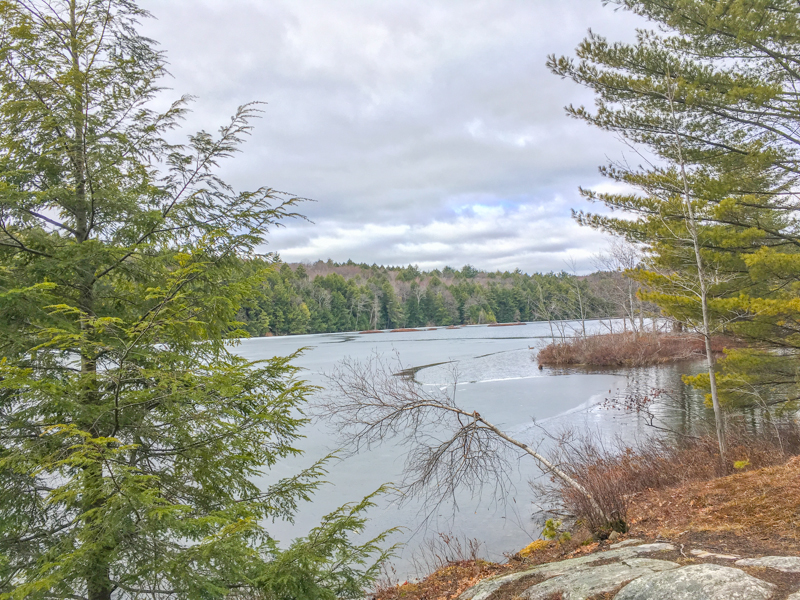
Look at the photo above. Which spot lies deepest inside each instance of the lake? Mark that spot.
(498, 376)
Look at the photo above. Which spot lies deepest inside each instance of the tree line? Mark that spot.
(706, 99)
(329, 297)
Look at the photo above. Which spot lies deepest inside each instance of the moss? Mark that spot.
(534, 547)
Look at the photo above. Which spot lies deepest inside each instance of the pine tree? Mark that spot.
(710, 194)
(745, 102)
(129, 432)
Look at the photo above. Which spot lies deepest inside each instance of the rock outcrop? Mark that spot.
(484, 589)
(589, 580)
(787, 564)
(632, 570)
(697, 582)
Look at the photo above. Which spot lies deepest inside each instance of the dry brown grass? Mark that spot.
(629, 349)
(444, 583)
(748, 514)
(761, 505)
(615, 475)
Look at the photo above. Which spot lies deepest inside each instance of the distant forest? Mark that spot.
(330, 297)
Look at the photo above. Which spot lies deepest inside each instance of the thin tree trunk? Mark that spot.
(641, 316)
(692, 226)
(542, 305)
(547, 466)
(632, 308)
(583, 319)
(712, 375)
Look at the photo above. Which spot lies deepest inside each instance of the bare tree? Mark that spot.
(375, 306)
(579, 296)
(322, 298)
(620, 258)
(450, 447)
(544, 309)
(357, 305)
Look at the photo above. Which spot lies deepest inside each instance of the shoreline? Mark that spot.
(692, 524)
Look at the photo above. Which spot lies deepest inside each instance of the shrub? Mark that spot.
(614, 473)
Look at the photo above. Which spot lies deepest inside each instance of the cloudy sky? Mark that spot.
(428, 131)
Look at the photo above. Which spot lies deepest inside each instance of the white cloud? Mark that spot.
(428, 131)
(531, 238)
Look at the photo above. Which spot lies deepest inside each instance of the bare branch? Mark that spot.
(449, 447)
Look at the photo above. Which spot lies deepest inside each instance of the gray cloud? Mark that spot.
(429, 132)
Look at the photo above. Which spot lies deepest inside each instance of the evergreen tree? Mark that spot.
(391, 305)
(129, 433)
(342, 300)
(744, 100)
(709, 96)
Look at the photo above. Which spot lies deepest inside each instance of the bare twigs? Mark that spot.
(450, 447)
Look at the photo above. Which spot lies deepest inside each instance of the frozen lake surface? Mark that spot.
(499, 377)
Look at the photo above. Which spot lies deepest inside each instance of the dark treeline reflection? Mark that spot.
(665, 404)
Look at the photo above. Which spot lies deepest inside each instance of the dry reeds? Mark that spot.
(449, 564)
(629, 349)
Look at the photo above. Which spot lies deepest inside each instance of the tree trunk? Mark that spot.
(632, 308)
(692, 227)
(98, 583)
(98, 571)
(548, 467)
(712, 375)
(641, 316)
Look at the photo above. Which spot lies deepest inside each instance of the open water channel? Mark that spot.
(499, 377)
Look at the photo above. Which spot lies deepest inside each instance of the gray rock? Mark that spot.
(787, 564)
(697, 582)
(564, 566)
(624, 543)
(706, 554)
(582, 582)
(483, 589)
(654, 547)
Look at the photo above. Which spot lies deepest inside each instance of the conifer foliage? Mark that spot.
(129, 433)
(329, 297)
(707, 99)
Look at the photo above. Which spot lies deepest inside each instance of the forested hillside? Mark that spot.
(329, 297)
